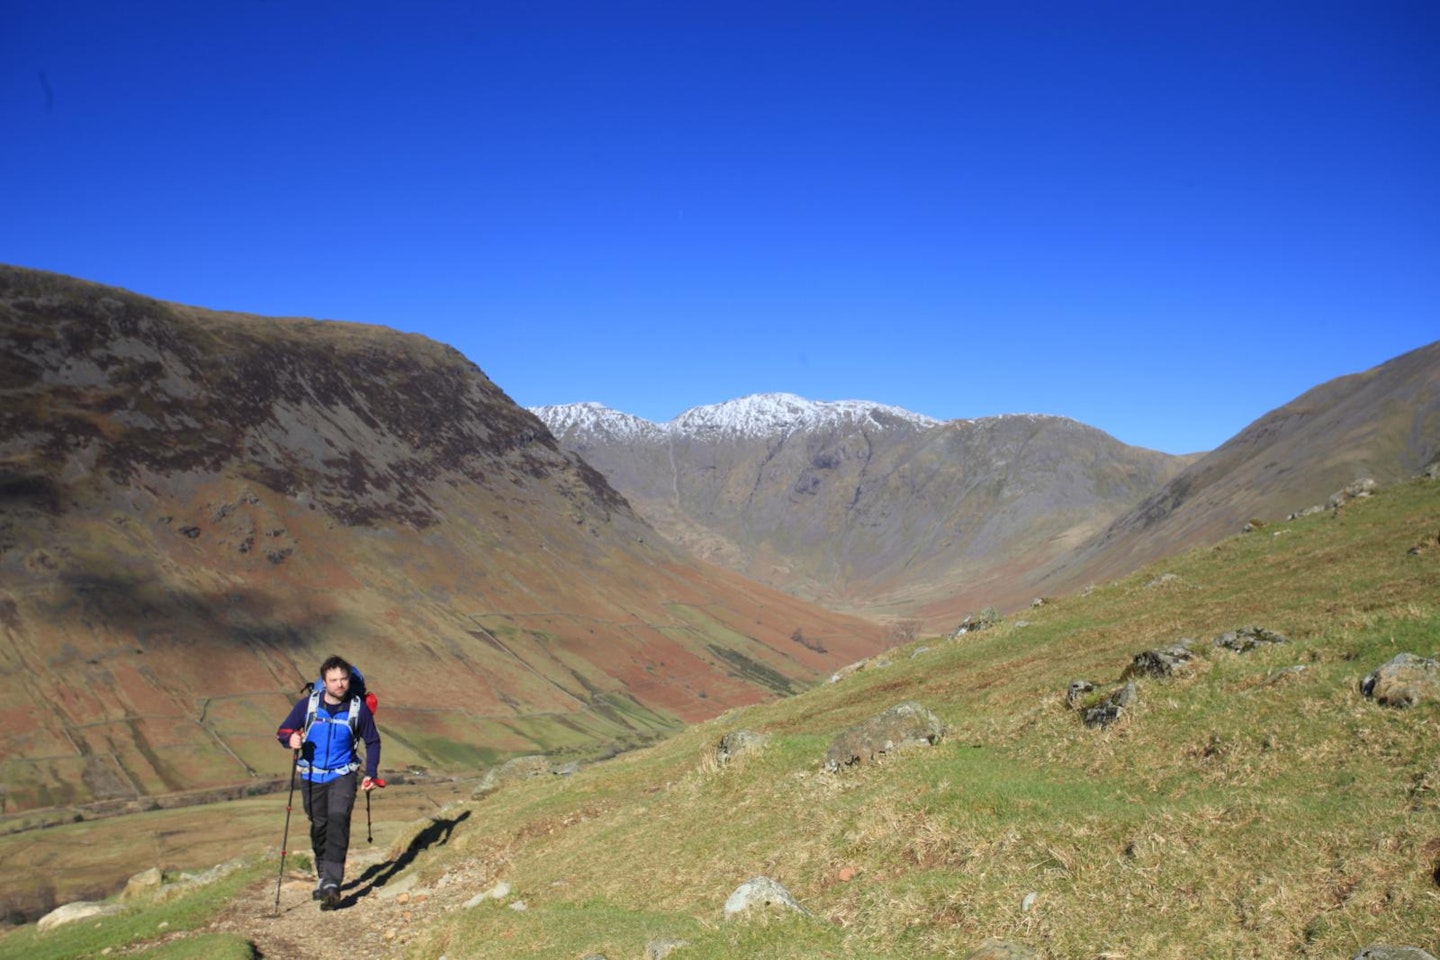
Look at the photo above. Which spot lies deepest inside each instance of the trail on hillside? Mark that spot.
(384, 908)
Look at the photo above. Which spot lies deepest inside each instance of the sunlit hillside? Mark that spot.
(1255, 804)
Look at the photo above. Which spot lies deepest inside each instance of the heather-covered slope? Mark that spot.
(196, 507)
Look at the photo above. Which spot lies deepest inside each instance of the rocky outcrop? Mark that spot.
(903, 725)
(1161, 662)
(975, 622)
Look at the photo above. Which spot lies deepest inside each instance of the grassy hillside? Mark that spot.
(1243, 809)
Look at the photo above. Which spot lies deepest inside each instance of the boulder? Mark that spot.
(1248, 638)
(79, 910)
(761, 892)
(1162, 662)
(1404, 681)
(737, 743)
(903, 725)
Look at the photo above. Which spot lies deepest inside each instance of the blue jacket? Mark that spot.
(328, 752)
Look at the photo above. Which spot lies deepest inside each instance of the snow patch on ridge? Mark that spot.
(595, 420)
(759, 415)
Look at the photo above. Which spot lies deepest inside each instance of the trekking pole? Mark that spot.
(379, 783)
(285, 838)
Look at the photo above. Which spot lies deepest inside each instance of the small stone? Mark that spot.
(519, 905)
(847, 874)
(391, 933)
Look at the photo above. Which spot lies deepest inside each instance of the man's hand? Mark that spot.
(368, 784)
(296, 740)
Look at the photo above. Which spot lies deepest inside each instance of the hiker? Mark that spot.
(322, 730)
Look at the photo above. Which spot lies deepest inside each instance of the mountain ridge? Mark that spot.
(755, 415)
(756, 499)
(863, 506)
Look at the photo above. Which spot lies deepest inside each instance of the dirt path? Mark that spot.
(385, 907)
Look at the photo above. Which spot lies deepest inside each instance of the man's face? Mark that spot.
(337, 683)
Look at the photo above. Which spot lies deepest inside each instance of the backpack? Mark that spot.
(357, 693)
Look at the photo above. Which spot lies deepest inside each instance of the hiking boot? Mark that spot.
(329, 897)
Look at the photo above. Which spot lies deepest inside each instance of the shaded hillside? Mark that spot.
(1383, 424)
(864, 506)
(196, 507)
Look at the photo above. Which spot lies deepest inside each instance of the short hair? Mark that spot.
(334, 662)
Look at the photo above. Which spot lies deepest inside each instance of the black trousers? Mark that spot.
(328, 805)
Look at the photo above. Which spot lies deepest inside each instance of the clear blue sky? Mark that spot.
(1159, 218)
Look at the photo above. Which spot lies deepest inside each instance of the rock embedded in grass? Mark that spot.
(1407, 679)
(761, 892)
(1161, 662)
(1248, 638)
(1383, 951)
(904, 725)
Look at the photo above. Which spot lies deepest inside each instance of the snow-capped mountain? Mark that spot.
(845, 501)
(760, 415)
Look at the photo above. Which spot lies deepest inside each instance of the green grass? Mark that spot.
(1240, 809)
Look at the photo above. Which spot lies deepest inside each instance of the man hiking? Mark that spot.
(322, 730)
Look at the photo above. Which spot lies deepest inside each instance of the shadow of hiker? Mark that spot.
(437, 834)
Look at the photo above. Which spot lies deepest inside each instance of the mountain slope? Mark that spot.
(196, 507)
(865, 506)
(1382, 424)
